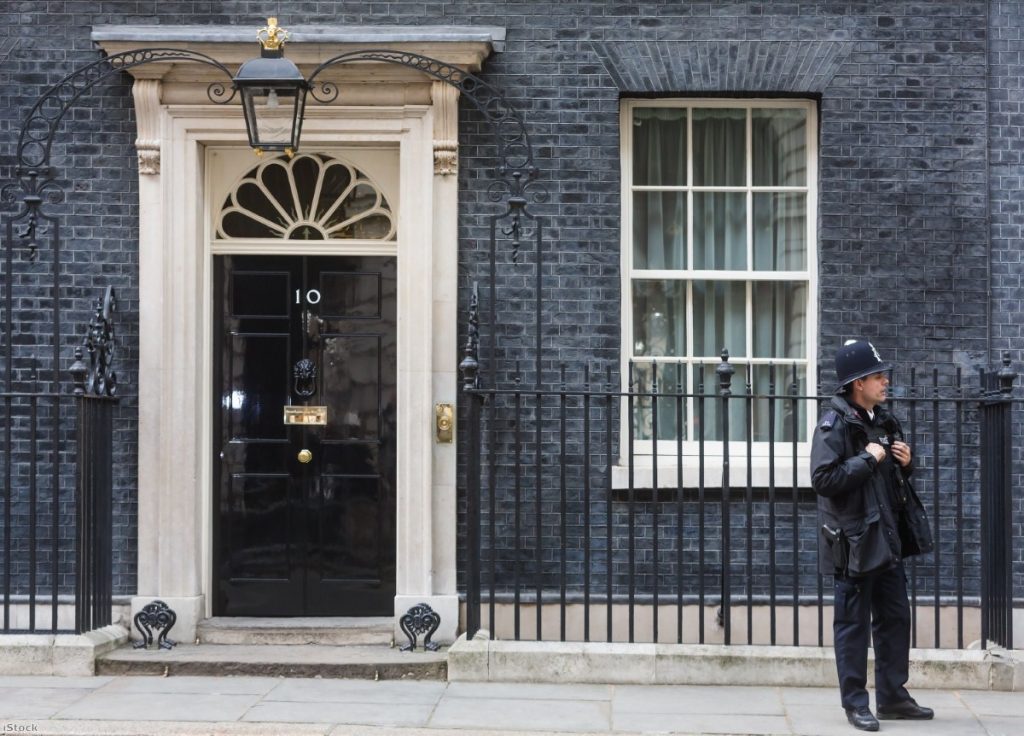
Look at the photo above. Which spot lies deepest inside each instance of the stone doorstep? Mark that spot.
(67, 655)
(328, 631)
(483, 660)
(278, 660)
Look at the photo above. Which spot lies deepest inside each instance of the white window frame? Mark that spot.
(643, 450)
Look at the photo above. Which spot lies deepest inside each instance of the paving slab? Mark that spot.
(527, 690)
(1002, 726)
(357, 691)
(172, 728)
(703, 723)
(678, 699)
(956, 724)
(54, 681)
(983, 702)
(813, 720)
(160, 707)
(38, 702)
(826, 697)
(344, 730)
(809, 720)
(187, 684)
(395, 714)
(120, 728)
(532, 715)
(942, 701)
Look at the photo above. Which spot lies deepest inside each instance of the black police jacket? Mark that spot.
(872, 503)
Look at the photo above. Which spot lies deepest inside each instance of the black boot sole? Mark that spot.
(897, 717)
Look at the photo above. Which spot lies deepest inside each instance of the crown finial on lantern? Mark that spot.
(271, 37)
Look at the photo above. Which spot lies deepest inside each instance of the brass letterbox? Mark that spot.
(315, 416)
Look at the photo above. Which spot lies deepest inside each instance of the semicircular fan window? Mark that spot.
(307, 197)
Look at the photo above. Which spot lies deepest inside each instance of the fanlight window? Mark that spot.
(308, 197)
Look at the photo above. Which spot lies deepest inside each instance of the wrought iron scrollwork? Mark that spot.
(510, 131)
(96, 377)
(155, 616)
(517, 169)
(518, 190)
(39, 127)
(35, 177)
(36, 185)
(417, 620)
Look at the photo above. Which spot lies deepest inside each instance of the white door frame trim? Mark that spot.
(175, 364)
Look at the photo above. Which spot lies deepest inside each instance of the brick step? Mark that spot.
(278, 660)
(327, 631)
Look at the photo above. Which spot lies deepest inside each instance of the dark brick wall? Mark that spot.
(903, 198)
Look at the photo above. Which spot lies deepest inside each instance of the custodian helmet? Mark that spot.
(857, 359)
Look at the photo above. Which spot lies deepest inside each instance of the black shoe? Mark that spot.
(907, 710)
(861, 718)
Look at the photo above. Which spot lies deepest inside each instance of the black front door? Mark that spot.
(304, 515)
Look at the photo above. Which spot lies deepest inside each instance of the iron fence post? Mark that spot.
(470, 370)
(725, 373)
(996, 505)
(94, 384)
(476, 401)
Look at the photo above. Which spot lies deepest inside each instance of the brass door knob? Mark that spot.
(305, 456)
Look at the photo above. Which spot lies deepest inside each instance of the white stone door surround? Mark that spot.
(176, 125)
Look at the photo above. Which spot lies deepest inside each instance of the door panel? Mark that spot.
(315, 538)
(258, 367)
(259, 509)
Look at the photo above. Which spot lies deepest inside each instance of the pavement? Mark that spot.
(192, 706)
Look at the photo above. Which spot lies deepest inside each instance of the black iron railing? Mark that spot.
(56, 527)
(615, 514)
(36, 507)
(997, 511)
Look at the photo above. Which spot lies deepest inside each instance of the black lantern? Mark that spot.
(273, 94)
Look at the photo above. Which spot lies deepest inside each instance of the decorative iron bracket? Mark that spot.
(156, 615)
(40, 126)
(97, 377)
(470, 365)
(510, 135)
(417, 620)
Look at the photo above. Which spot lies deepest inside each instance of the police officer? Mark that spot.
(860, 469)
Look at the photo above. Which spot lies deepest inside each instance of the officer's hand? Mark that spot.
(877, 450)
(901, 451)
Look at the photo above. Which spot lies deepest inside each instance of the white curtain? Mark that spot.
(719, 230)
(659, 159)
(780, 243)
(779, 147)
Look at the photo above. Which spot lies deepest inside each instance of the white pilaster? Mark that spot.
(415, 340)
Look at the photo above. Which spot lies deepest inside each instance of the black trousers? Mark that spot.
(874, 605)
